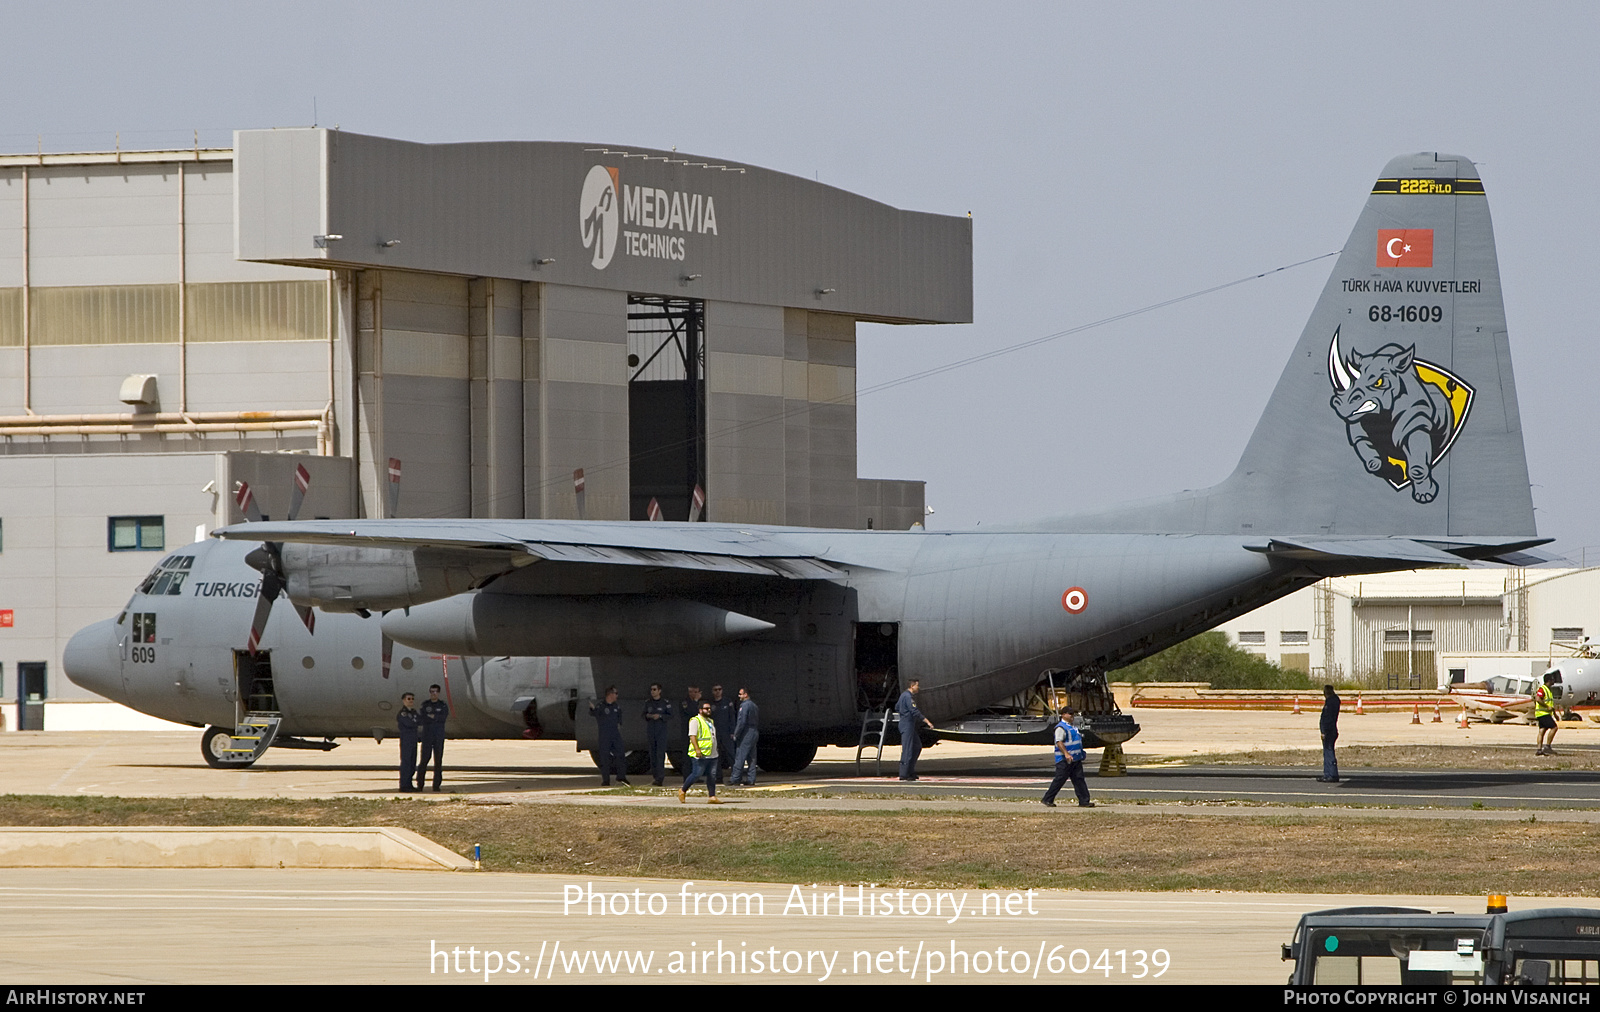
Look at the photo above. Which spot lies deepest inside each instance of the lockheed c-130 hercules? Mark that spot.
(1391, 441)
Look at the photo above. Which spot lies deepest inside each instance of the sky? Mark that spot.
(1113, 157)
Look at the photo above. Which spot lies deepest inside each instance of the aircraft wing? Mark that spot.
(702, 548)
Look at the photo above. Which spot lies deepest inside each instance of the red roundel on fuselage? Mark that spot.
(1075, 599)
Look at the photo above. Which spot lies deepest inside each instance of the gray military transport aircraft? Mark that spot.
(1392, 441)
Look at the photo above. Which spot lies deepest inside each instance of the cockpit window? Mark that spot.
(167, 578)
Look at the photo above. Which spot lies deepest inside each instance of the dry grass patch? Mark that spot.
(1495, 758)
(1147, 850)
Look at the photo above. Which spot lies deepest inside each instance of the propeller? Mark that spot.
(268, 560)
(394, 486)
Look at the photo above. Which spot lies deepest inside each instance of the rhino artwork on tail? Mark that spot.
(1401, 414)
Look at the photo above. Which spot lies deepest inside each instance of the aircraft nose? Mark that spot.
(91, 659)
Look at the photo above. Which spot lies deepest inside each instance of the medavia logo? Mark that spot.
(598, 211)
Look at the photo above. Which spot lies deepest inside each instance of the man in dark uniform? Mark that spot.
(1330, 734)
(410, 722)
(911, 720)
(689, 710)
(658, 724)
(746, 735)
(434, 713)
(612, 758)
(725, 716)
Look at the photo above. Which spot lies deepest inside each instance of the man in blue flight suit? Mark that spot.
(910, 731)
(658, 723)
(1329, 726)
(724, 716)
(1069, 761)
(435, 712)
(745, 735)
(687, 711)
(612, 759)
(410, 722)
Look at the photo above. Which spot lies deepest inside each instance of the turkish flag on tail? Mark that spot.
(1405, 247)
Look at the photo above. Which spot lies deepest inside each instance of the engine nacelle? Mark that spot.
(379, 579)
(494, 625)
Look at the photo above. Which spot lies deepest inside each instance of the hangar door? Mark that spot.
(666, 404)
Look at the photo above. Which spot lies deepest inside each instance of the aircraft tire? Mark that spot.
(636, 762)
(210, 746)
(680, 763)
(785, 758)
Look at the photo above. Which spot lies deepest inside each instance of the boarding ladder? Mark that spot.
(874, 731)
(252, 737)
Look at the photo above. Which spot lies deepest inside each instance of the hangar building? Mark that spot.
(1426, 628)
(487, 321)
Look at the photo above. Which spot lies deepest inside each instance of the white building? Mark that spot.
(1419, 628)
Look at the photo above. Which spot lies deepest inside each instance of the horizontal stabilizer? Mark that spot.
(1413, 551)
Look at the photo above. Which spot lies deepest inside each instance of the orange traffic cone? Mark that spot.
(1359, 710)
(1463, 717)
(1416, 715)
(1297, 704)
(1436, 718)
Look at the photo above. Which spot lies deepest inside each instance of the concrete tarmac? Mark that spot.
(131, 927)
(168, 764)
(235, 926)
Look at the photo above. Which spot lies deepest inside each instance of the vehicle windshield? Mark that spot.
(168, 576)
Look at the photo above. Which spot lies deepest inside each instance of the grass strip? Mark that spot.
(1081, 850)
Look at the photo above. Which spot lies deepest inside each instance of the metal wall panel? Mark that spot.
(11, 241)
(258, 311)
(104, 314)
(428, 430)
(103, 225)
(583, 400)
(745, 425)
(288, 375)
(208, 224)
(495, 368)
(1466, 628)
(86, 379)
(278, 190)
(494, 209)
(890, 504)
(10, 317)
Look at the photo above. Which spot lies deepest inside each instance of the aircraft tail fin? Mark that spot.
(1397, 413)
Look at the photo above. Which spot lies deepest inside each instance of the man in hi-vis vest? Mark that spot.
(702, 753)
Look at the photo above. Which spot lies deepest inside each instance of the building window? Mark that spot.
(1567, 634)
(1293, 638)
(136, 534)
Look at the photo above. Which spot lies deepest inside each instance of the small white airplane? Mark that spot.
(1575, 681)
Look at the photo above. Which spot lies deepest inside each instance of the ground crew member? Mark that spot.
(435, 712)
(611, 757)
(658, 723)
(910, 731)
(724, 715)
(1544, 714)
(410, 723)
(746, 732)
(1069, 761)
(702, 753)
(1330, 734)
(687, 711)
